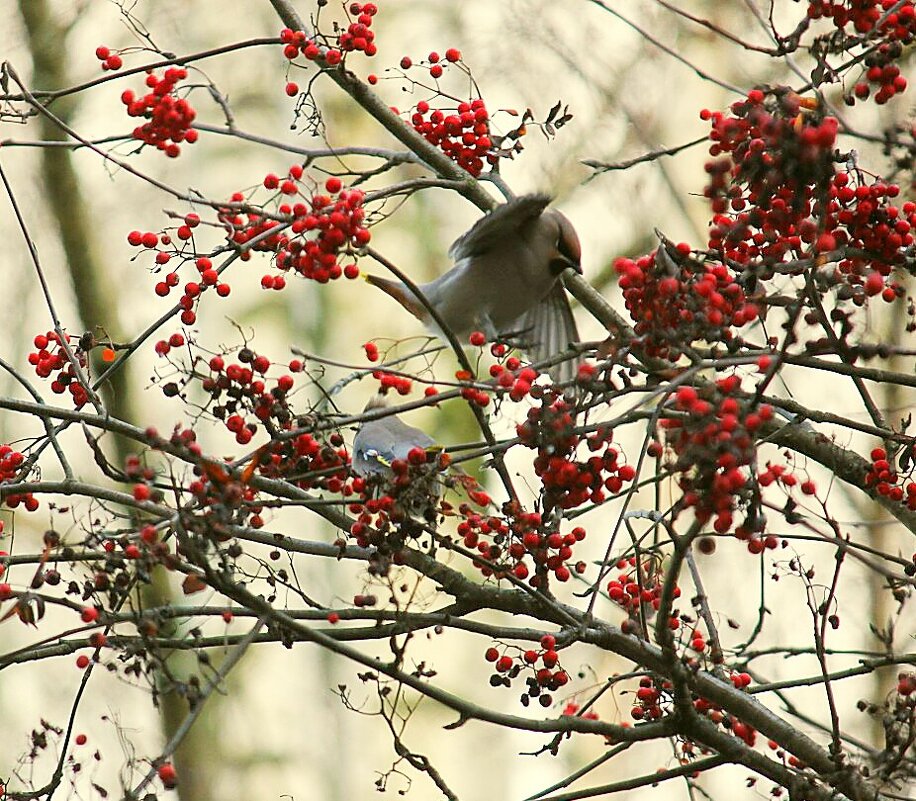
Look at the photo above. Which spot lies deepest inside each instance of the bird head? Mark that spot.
(567, 251)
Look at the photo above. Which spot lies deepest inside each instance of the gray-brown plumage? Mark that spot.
(505, 281)
(379, 442)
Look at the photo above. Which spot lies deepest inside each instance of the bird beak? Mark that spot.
(562, 262)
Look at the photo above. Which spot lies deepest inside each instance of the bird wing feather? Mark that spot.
(490, 230)
(548, 328)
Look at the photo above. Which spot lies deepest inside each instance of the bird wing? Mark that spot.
(490, 230)
(548, 328)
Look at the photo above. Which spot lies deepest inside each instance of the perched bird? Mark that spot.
(504, 282)
(379, 442)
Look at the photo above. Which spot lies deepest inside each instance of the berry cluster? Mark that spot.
(882, 478)
(110, 61)
(223, 502)
(777, 195)
(296, 42)
(772, 158)
(358, 37)
(864, 15)
(653, 692)
(572, 708)
(675, 300)
(540, 681)
(714, 712)
(305, 460)
(208, 275)
(169, 117)
(876, 233)
(244, 400)
(399, 383)
(567, 482)
(240, 394)
(634, 587)
(164, 346)
(310, 461)
(773, 142)
(511, 378)
(518, 541)
(713, 443)
(470, 392)
(113, 577)
(793, 761)
(143, 489)
(10, 462)
(390, 500)
(889, 23)
(321, 230)
(463, 135)
(881, 72)
(50, 356)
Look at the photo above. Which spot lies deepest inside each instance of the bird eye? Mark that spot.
(566, 256)
(564, 250)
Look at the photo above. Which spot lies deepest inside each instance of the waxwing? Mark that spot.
(504, 282)
(379, 442)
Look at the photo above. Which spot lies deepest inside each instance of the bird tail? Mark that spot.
(549, 328)
(401, 294)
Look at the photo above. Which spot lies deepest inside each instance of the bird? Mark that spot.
(380, 442)
(504, 282)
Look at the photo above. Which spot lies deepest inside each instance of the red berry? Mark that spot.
(167, 774)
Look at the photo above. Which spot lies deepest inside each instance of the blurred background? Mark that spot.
(280, 729)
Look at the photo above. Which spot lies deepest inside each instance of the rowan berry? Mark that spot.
(167, 775)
